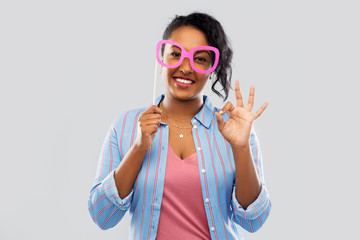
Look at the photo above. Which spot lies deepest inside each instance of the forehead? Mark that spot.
(189, 37)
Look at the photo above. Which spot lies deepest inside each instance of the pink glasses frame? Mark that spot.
(189, 55)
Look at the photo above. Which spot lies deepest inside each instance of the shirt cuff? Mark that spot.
(111, 192)
(255, 209)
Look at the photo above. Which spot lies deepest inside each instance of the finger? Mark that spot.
(260, 111)
(220, 121)
(151, 116)
(156, 109)
(239, 99)
(151, 121)
(153, 109)
(227, 107)
(150, 129)
(250, 104)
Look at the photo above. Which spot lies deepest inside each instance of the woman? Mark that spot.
(183, 168)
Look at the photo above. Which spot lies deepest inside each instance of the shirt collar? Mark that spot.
(204, 116)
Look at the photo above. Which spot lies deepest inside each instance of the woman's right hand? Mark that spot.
(148, 125)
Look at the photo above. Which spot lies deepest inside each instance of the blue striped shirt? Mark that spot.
(217, 174)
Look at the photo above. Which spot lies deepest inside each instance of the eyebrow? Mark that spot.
(198, 51)
(206, 51)
(175, 46)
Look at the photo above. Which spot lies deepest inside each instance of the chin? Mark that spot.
(183, 95)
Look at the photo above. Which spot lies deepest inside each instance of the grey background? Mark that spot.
(68, 68)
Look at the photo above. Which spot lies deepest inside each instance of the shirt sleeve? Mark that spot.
(255, 215)
(105, 205)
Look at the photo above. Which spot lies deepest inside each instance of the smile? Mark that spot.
(183, 80)
(183, 83)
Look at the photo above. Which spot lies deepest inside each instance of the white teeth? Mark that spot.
(183, 80)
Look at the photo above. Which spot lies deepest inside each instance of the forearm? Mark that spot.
(127, 171)
(247, 183)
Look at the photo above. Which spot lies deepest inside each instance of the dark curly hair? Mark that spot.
(216, 37)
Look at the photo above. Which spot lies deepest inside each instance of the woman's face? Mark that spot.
(189, 37)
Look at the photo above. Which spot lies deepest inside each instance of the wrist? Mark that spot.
(138, 147)
(240, 147)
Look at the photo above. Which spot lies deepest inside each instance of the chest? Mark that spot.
(181, 141)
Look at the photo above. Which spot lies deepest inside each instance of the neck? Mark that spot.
(182, 109)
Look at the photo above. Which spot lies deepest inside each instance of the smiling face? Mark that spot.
(176, 80)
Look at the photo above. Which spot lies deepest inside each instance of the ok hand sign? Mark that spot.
(236, 130)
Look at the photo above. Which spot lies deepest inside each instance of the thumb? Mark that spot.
(220, 121)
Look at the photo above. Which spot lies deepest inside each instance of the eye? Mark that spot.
(200, 59)
(175, 54)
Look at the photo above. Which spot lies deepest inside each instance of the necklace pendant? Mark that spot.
(181, 136)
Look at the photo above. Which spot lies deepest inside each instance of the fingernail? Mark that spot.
(221, 112)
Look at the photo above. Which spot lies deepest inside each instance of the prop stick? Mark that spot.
(155, 82)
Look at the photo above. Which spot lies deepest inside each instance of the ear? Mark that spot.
(211, 75)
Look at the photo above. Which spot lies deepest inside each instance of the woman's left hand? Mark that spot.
(236, 130)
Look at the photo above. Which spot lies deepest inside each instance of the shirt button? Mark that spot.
(212, 229)
(203, 170)
(207, 200)
(195, 126)
(199, 148)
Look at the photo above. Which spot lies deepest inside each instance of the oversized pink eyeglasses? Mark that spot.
(171, 54)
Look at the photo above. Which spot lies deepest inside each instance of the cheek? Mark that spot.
(166, 75)
(203, 77)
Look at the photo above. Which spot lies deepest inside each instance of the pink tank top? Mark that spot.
(182, 214)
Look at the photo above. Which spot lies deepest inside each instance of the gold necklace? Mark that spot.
(178, 126)
(166, 115)
(181, 135)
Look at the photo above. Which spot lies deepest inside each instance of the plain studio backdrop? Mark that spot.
(69, 68)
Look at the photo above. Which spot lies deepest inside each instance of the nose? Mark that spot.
(185, 66)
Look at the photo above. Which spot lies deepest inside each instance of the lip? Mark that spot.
(183, 77)
(183, 85)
